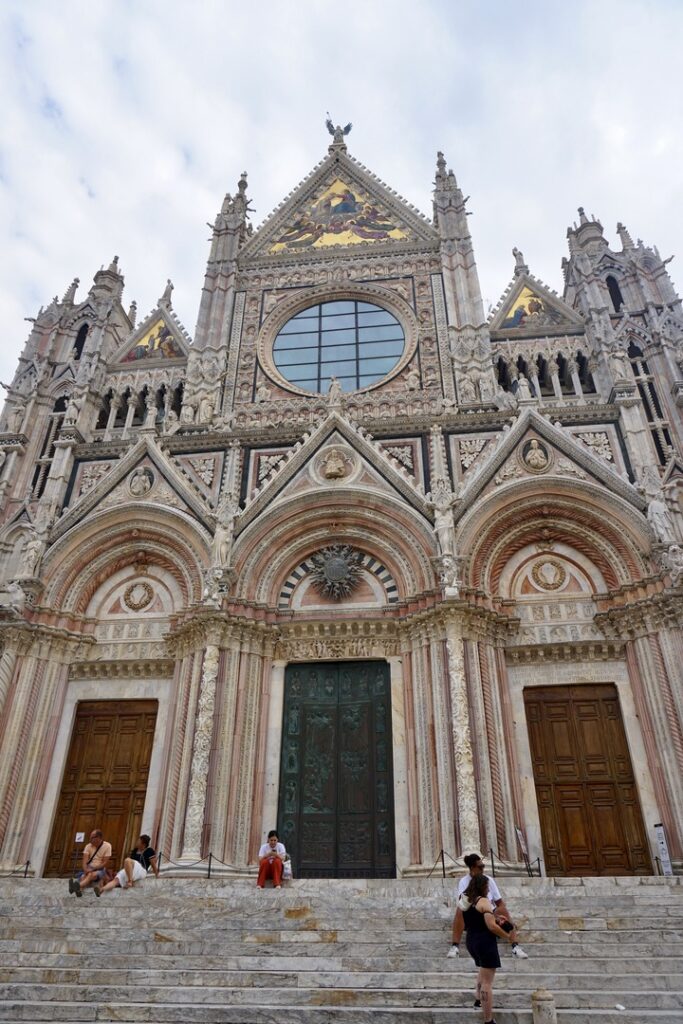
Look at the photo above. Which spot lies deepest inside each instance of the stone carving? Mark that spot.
(12, 596)
(32, 552)
(263, 393)
(140, 481)
(413, 380)
(470, 449)
(201, 749)
(206, 408)
(619, 363)
(336, 571)
(510, 471)
(266, 463)
(91, 475)
(187, 412)
(403, 453)
(165, 299)
(658, 514)
(468, 818)
(672, 561)
(205, 469)
(448, 567)
(337, 647)
(221, 547)
(598, 442)
(138, 595)
(442, 501)
(467, 394)
(73, 409)
(15, 417)
(334, 465)
(523, 390)
(535, 456)
(549, 574)
(335, 396)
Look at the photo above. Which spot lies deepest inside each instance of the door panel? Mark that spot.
(591, 822)
(336, 810)
(105, 779)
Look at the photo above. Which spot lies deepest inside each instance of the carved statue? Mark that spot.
(504, 399)
(336, 131)
(262, 393)
(673, 563)
(448, 567)
(187, 412)
(413, 380)
(519, 259)
(334, 395)
(442, 501)
(535, 457)
(486, 388)
(165, 299)
(32, 553)
(334, 465)
(15, 417)
(73, 409)
(660, 519)
(206, 408)
(523, 389)
(619, 363)
(170, 421)
(141, 482)
(12, 596)
(223, 534)
(466, 390)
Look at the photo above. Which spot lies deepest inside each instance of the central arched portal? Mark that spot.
(336, 802)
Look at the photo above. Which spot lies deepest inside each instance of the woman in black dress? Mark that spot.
(481, 941)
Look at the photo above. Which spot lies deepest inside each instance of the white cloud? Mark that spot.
(125, 124)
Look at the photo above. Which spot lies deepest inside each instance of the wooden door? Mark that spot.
(591, 823)
(336, 809)
(105, 779)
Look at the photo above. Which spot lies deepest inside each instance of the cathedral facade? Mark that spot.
(357, 561)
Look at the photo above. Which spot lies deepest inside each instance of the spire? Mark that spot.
(109, 281)
(626, 240)
(70, 293)
(583, 219)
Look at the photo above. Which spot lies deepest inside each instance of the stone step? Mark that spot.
(220, 977)
(461, 997)
(127, 1013)
(279, 961)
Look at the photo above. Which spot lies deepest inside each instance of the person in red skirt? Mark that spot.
(271, 858)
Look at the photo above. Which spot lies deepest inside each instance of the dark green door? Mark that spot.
(336, 810)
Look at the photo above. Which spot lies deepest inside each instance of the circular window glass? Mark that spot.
(356, 342)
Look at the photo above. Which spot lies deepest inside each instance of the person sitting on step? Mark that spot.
(135, 867)
(271, 858)
(475, 866)
(96, 857)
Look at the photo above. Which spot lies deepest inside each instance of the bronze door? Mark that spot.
(336, 810)
(591, 822)
(105, 780)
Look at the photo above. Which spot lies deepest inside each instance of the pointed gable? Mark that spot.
(339, 204)
(159, 338)
(529, 308)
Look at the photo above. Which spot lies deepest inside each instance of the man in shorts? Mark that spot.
(475, 866)
(135, 867)
(96, 857)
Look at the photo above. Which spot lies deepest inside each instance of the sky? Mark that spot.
(124, 124)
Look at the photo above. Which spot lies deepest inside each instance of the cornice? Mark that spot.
(663, 610)
(133, 669)
(572, 652)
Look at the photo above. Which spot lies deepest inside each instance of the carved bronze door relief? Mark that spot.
(336, 808)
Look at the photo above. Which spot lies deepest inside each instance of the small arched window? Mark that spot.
(615, 293)
(80, 340)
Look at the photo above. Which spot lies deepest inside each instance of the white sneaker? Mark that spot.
(453, 952)
(519, 953)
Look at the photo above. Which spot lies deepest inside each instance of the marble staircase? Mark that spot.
(358, 952)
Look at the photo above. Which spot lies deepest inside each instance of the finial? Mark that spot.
(440, 164)
(583, 219)
(133, 312)
(114, 266)
(626, 240)
(242, 184)
(520, 265)
(336, 131)
(70, 293)
(165, 299)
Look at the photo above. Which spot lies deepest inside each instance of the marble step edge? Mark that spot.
(458, 998)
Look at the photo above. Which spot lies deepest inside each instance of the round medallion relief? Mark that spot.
(535, 456)
(549, 574)
(138, 596)
(140, 481)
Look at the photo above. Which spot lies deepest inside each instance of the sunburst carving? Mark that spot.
(336, 571)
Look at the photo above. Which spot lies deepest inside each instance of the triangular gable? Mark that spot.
(159, 338)
(529, 308)
(146, 454)
(370, 452)
(340, 203)
(673, 472)
(500, 463)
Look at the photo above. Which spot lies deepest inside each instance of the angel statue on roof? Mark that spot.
(336, 131)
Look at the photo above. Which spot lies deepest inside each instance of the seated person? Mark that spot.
(135, 867)
(271, 858)
(96, 857)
